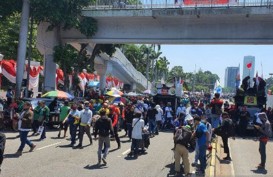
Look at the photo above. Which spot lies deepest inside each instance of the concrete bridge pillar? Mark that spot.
(46, 41)
(133, 86)
(101, 66)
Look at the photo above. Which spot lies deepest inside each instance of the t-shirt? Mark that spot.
(64, 112)
(74, 113)
(138, 125)
(201, 128)
(168, 111)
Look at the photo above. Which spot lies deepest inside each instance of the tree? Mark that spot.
(176, 72)
(161, 68)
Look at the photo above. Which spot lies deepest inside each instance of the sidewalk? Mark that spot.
(211, 161)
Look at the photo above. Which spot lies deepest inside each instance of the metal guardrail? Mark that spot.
(169, 4)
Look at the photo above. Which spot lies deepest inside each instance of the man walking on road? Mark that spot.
(103, 127)
(24, 126)
(265, 130)
(85, 119)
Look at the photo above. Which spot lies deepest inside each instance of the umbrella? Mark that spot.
(58, 94)
(120, 99)
(147, 91)
(114, 93)
(132, 94)
(94, 84)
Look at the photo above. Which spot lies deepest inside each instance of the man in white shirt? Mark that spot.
(168, 116)
(138, 126)
(85, 119)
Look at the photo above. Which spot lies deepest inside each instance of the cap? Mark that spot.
(86, 102)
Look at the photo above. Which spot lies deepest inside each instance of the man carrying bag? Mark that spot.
(182, 138)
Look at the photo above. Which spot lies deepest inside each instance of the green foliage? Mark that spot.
(9, 8)
(60, 12)
(88, 26)
(9, 36)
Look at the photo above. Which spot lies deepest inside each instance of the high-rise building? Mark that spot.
(249, 66)
(230, 76)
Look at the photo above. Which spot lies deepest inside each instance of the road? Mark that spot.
(245, 157)
(52, 157)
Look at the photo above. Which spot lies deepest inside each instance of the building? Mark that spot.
(230, 76)
(249, 67)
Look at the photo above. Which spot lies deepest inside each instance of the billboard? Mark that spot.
(205, 2)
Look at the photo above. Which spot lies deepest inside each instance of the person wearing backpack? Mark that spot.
(182, 138)
(216, 110)
(264, 127)
(226, 130)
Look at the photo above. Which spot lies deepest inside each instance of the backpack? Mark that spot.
(218, 109)
(182, 136)
(104, 127)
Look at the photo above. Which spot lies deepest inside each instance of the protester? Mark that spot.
(168, 116)
(85, 122)
(73, 118)
(181, 113)
(129, 115)
(9, 96)
(2, 148)
(64, 111)
(216, 111)
(103, 127)
(158, 118)
(202, 135)
(181, 139)
(36, 116)
(244, 117)
(138, 127)
(114, 117)
(226, 130)
(151, 113)
(24, 126)
(43, 118)
(263, 126)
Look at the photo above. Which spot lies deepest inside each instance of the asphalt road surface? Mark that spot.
(53, 158)
(245, 158)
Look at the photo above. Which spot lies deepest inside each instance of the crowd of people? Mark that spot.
(195, 125)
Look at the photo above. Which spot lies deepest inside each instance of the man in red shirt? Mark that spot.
(216, 110)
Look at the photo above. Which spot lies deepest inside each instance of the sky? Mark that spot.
(216, 58)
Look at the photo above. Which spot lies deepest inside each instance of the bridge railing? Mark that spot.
(157, 4)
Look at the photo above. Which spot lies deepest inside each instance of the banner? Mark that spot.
(195, 2)
(250, 100)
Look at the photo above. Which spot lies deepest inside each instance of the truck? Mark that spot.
(254, 98)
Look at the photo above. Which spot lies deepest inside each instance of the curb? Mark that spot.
(212, 163)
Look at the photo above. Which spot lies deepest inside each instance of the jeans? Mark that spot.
(215, 120)
(135, 145)
(202, 157)
(106, 141)
(24, 140)
(2, 147)
(196, 157)
(152, 126)
(84, 129)
(129, 129)
(115, 133)
(225, 143)
(73, 132)
(262, 150)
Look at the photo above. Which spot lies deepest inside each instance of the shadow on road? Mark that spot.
(113, 150)
(172, 171)
(222, 161)
(95, 167)
(11, 156)
(125, 141)
(65, 146)
(260, 171)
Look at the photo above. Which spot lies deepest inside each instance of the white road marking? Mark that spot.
(126, 152)
(48, 146)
